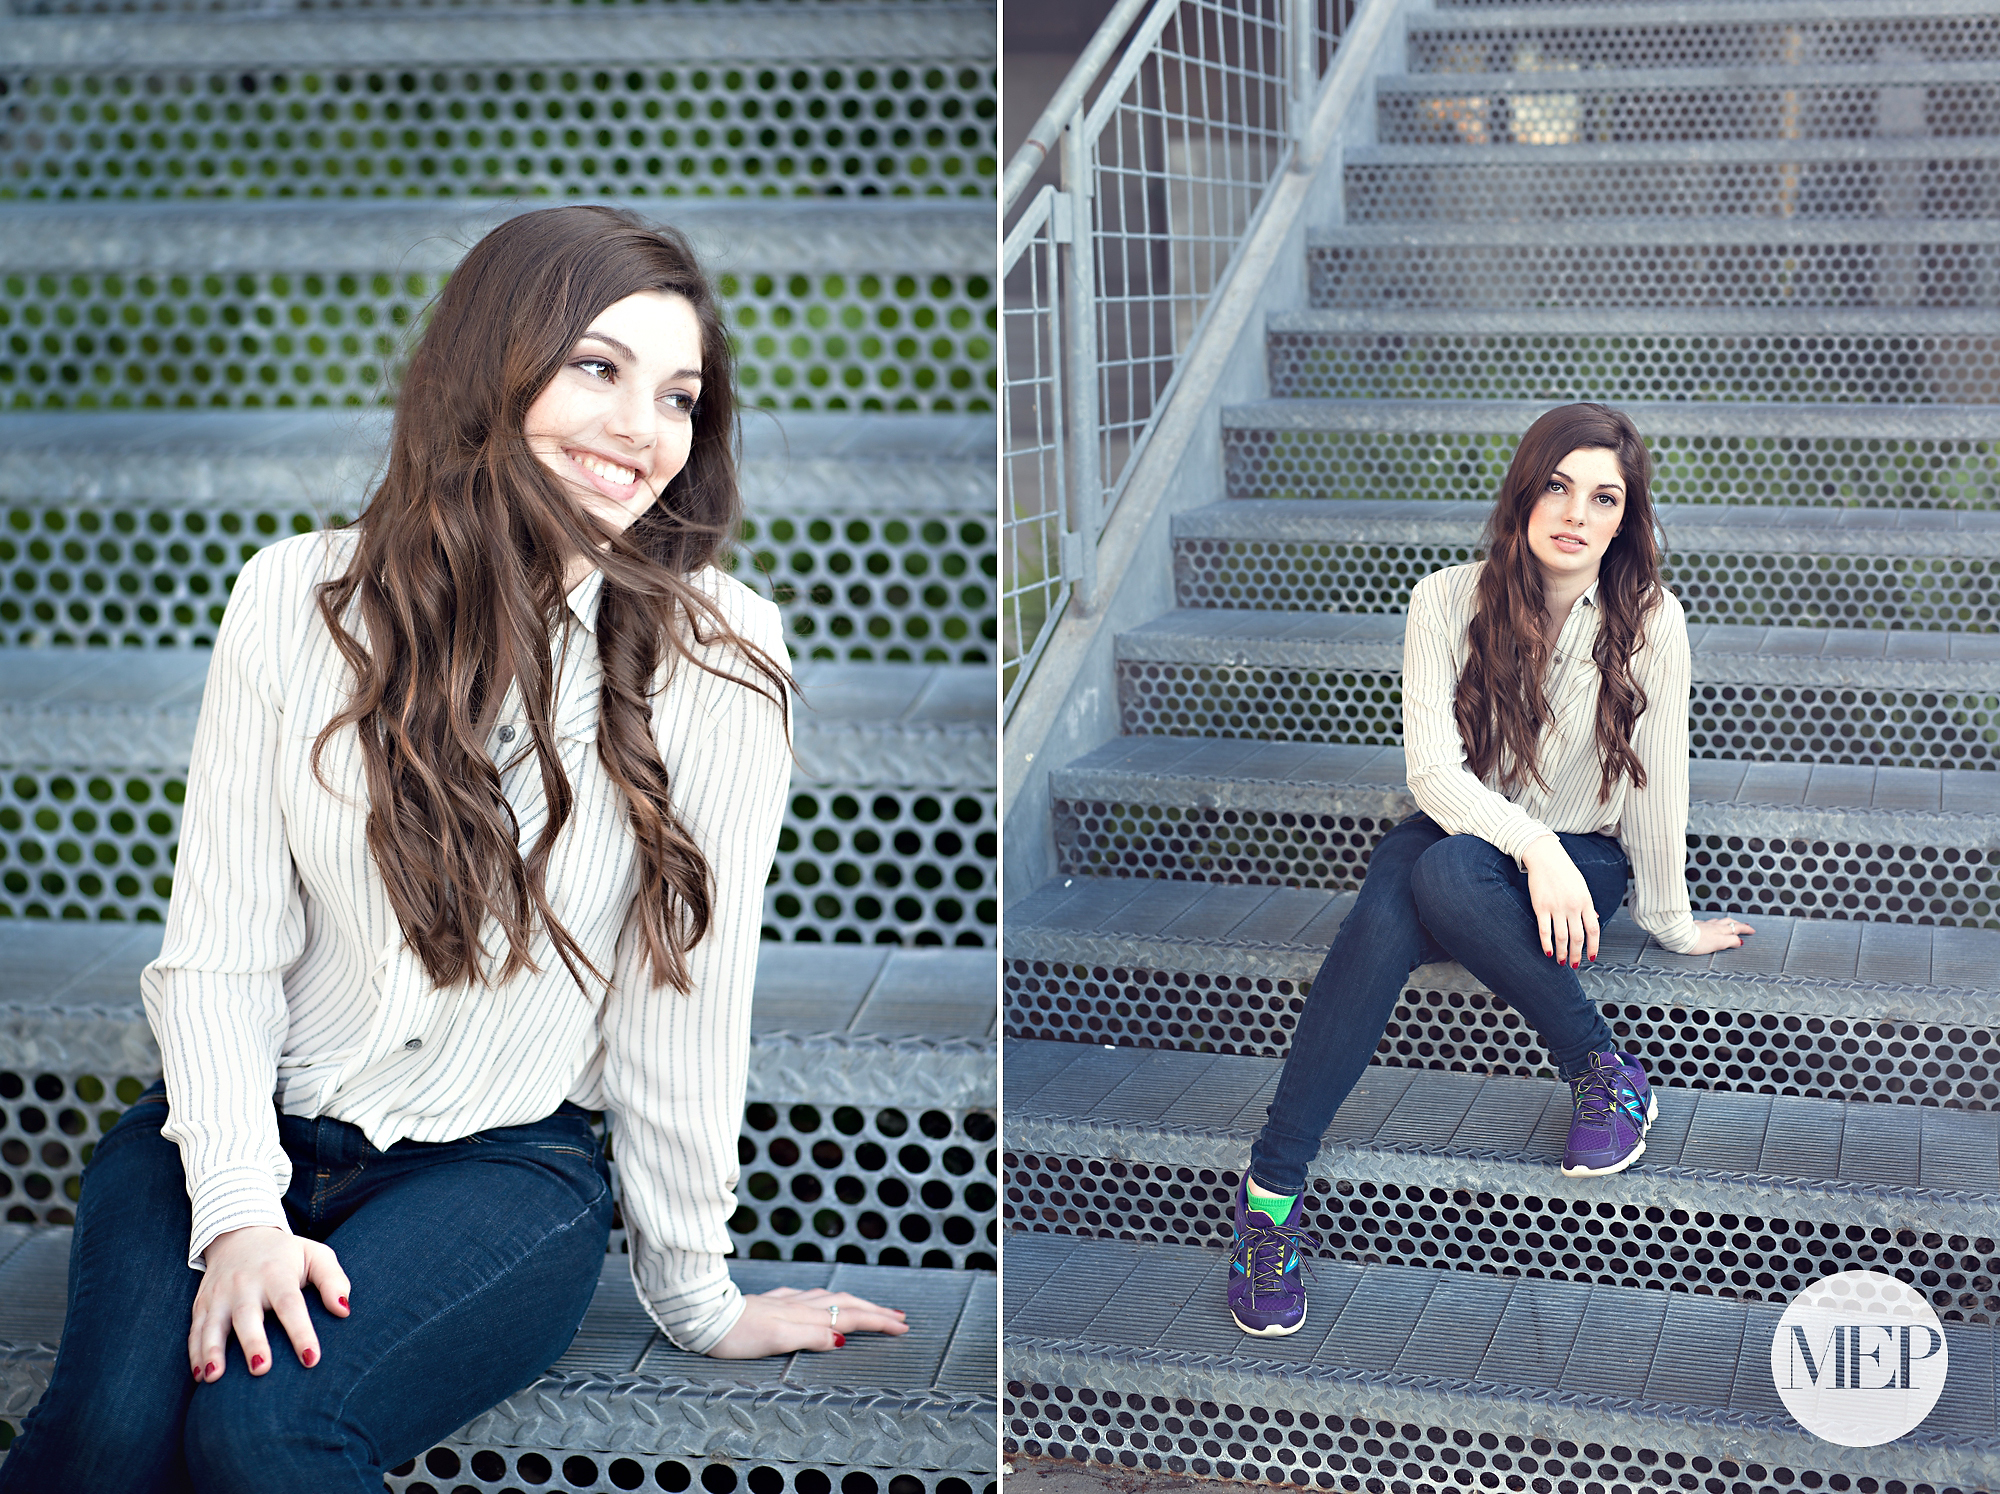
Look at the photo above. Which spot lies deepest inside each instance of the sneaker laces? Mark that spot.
(1601, 1091)
(1263, 1249)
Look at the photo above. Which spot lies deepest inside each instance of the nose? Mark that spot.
(634, 416)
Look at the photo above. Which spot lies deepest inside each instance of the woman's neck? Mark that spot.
(1560, 594)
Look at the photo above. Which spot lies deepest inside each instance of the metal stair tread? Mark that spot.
(793, 461)
(1641, 321)
(1408, 1344)
(1722, 1151)
(1938, 422)
(429, 235)
(924, 1399)
(1696, 233)
(1773, 529)
(1693, 79)
(1679, 152)
(1722, 652)
(877, 993)
(1507, 19)
(856, 724)
(1144, 923)
(540, 37)
(1953, 806)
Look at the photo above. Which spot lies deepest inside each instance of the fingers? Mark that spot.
(1545, 921)
(1591, 929)
(290, 1308)
(247, 1317)
(323, 1271)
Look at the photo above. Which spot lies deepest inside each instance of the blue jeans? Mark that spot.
(472, 1263)
(1429, 896)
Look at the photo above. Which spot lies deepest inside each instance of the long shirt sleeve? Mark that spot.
(215, 996)
(1650, 824)
(675, 1067)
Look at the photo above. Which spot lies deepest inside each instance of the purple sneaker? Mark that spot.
(1614, 1106)
(1267, 1286)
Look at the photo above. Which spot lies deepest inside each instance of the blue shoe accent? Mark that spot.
(1613, 1105)
(1267, 1288)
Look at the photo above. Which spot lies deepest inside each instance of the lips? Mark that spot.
(613, 479)
(1569, 544)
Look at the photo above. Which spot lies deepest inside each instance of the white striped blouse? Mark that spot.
(1650, 824)
(284, 970)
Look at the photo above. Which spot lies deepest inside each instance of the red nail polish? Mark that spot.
(343, 1302)
(840, 1340)
(1593, 959)
(310, 1357)
(213, 1372)
(256, 1361)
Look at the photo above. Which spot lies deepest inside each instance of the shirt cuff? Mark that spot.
(234, 1198)
(696, 1320)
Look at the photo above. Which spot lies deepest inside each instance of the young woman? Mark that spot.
(482, 801)
(1545, 699)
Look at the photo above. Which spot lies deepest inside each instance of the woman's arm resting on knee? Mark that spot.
(788, 1320)
(1564, 912)
(250, 1270)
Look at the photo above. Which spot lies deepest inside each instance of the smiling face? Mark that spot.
(616, 421)
(1577, 516)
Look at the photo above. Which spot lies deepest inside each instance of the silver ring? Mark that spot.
(833, 1315)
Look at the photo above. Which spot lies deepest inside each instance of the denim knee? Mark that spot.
(1457, 866)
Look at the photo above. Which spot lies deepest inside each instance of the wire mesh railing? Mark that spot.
(1171, 130)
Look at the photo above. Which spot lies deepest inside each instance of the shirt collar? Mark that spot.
(1589, 593)
(583, 599)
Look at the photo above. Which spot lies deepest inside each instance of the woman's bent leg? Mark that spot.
(1476, 898)
(1380, 942)
(472, 1264)
(110, 1421)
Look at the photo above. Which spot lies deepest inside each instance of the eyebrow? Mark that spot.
(1617, 488)
(631, 357)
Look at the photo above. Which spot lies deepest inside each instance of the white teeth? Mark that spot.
(620, 475)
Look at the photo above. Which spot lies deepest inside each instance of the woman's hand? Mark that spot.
(1564, 912)
(1711, 934)
(787, 1320)
(252, 1269)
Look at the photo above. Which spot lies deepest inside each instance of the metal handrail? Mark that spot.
(1171, 129)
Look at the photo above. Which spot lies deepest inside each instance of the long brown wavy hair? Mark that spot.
(1500, 705)
(457, 584)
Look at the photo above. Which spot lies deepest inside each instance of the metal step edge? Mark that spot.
(1804, 422)
(1507, 20)
(1819, 658)
(1773, 530)
(830, 1408)
(1826, 956)
(1690, 154)
(1433, 1104)
(1200, 1356)
(910, 725)
(1726, 798)
(429, 236)
(325, 461)
(1777, 235)
(1734, 80)
(731, 35)
(1618, 322)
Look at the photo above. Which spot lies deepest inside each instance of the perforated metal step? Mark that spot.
(1876, 845)
(1637, 263)
(1631, 106)
(663, 100)
(1906, 357)
(1729, 565)
(1805, 695)
(1738, 456)
(1125, 1353)
(868, 1135)
(1756, 33)
(920, 1404)
(1807, 1007)
(836, 305)
(1810, 179)
(1462, 1172)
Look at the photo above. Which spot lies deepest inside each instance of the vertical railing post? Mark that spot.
(1080, 373)
(1303, 39)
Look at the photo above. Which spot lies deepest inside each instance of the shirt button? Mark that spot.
(506, 733)
(413, 1044)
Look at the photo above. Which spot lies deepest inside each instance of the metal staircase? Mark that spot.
(219, 225)
(1762, 229)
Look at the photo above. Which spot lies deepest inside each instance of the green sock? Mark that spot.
(1276, 1207)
